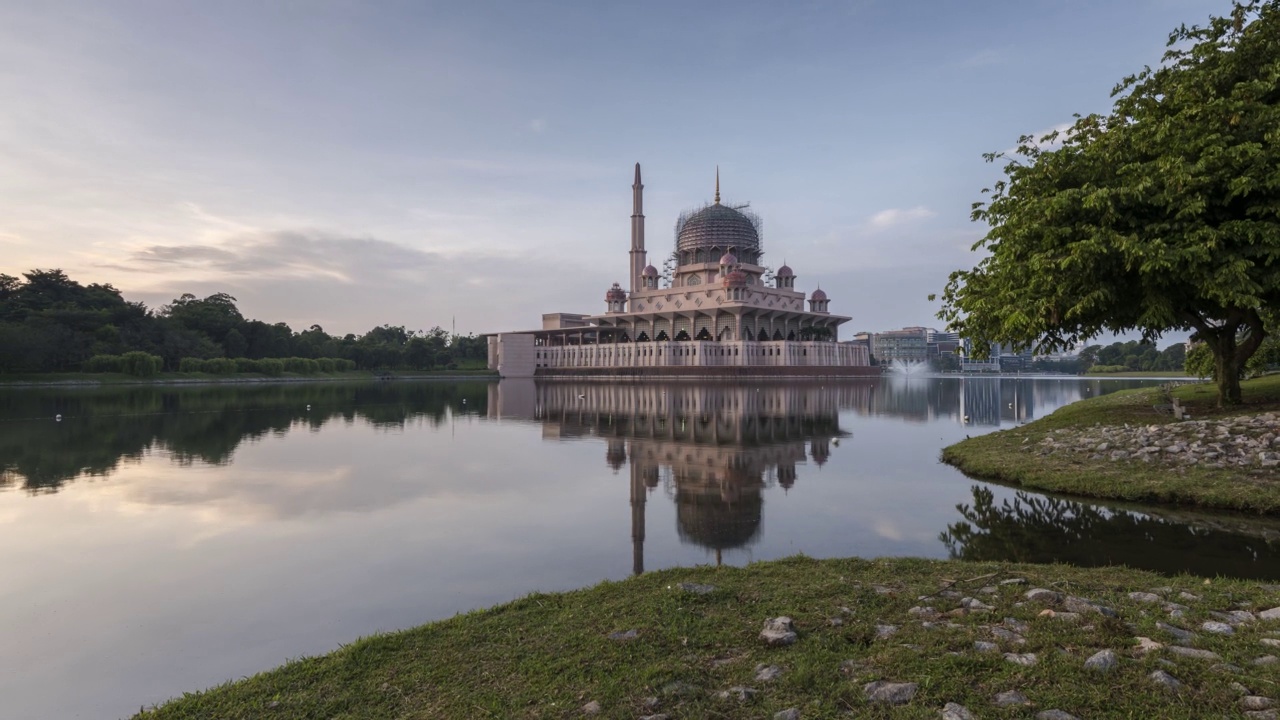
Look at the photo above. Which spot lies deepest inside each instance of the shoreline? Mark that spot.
(1127, 446)
(804, 638)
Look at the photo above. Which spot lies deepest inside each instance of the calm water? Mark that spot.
(158, 540)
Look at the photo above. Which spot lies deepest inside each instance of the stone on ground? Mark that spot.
(1011, 697)
(1217, 628)
(628, 635)
(1102, 661)
(737, 692)
(956, 711)
(1163, 678)
(1272, 614)
(1043, 595)
(1196, 653)
(1023, 659)
(984, 646)
(884, 631)
(890, 692)
(1145, 597)
(591, 708)
(779, 632)
(1273, 642)
(1256, 702)
(1146, 645)
(765, 673)
(788, 714)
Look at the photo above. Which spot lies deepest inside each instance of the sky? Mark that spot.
(468, 164)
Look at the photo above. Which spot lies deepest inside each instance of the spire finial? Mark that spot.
(717, 184)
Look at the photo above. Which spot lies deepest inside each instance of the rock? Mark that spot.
(989, 590)
(1238, 617)
(955, 711)
(1177, 632)
(922, 611)
(1256, 702)
(1146, 645)
(1161, 677)
(1008, 636)
(1145, 597)
(1023, 581)
(788, 714)
(591, 708)
(1227, 668)
(650, 703)
(885, 631)
(697, 588)
(1193, 652)
(1011, 697)
(1184, 595)
(1023, 659)
(737, 692)
(1261, 715)
(1081, 605)
(1016, 625)
(1101, 661)
(835, 621)
(1043, 595)
(983, 646)
(975, 604)
(1067, 617)
(765, 673)
(779, 632)
(1272, 614)
(1273, 642)
(1239, 688)
(1266, 660)
(890, 692)
(623, 636)
(1219, 628)
(1055, 714)
(882, 590)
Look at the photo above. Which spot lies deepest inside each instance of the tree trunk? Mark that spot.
(1228, 372)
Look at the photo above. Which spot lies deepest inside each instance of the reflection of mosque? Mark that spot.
(713, 449)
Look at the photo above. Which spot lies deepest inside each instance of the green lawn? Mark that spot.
(1004, 456)
(549, 655)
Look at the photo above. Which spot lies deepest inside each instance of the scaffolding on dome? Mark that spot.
(703, 234)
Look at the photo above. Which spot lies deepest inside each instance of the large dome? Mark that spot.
(721, 227)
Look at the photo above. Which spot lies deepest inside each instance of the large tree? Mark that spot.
(1162, 215)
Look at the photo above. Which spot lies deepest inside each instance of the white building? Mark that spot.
(717, 314)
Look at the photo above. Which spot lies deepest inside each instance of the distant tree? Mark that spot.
(1163, 215)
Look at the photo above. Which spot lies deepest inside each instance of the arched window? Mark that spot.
(703, 334)
(694, 280)
(682, 336)
(662, 336)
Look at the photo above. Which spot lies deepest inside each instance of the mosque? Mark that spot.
(716, 310)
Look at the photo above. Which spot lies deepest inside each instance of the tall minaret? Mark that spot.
(637, 232)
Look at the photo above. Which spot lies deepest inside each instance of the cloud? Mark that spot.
(1063, 129)
(538, 125)
(895, 216)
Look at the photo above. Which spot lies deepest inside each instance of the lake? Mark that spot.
(165, 539)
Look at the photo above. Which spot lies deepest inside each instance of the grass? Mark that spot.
(80, 378)
(547, 655)
(1003, 456)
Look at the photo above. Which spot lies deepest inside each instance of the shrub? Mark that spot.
(191, 365)
(141, 364)
(326, 365)
(245, 365)
(220, 366)
(271, 366)
(1104, 369)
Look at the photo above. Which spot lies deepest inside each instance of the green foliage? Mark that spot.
(1107, 369)
(1199, 362)
(271, 366)
(1162, 215)
(219, 366)
(141, 364)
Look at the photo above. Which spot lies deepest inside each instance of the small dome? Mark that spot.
(615, 294)
(818, 295)
(737, 278)
(785, 271)
(729, 259)
(649, 271)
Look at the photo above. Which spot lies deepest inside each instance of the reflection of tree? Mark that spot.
(100, 428)
(1036, 528)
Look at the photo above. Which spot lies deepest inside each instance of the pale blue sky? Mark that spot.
(358, 163)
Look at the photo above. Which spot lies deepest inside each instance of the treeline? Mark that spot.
(1132, 355)
(50, 323)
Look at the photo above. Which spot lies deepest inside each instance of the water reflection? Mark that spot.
(104, 428)
(713, 449)
(1039, 528)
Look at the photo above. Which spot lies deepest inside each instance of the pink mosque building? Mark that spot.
(718, 313)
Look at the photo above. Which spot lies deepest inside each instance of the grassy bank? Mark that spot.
(1009, 455)
(646, 646)
(79, 378)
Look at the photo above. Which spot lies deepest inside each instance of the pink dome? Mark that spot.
(649, 271)
(615, 294)
(785, 271)
(818, 295)
(737, 278)
(729, 259)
